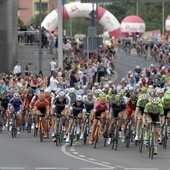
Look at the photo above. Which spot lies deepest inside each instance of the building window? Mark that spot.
(44, 6)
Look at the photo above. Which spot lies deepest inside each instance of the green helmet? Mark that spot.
(167, 97)
(117, 98)
(102, 94)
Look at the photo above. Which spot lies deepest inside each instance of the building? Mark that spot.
(30, 8)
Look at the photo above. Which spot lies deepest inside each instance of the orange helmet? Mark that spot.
(102, 100)
(41, 97)
(47, 95)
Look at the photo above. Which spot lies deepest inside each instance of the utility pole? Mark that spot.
(40, 36)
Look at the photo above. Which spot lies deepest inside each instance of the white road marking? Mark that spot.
(63, 149)
(91, 159)
(72, 149)
(82, 156)
(76, 153)
(96, 168)
(50, 168)
(105, 163)
(17, 168)
(142, 168)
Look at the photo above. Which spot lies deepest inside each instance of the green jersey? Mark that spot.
(158, 111)
(141, 104)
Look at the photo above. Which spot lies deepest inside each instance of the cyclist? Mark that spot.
(60, 107)
(15, 106)
(130, 110)
(153, 112)
(101, 108)
(4, 105)
(76, 111)
(117, 107)
(41, 107)
(142, 101)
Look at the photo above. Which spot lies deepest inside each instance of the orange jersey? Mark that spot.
(41, 105)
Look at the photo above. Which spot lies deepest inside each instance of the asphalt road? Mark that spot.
(26, 152)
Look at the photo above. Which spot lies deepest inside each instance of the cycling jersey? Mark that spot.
(166, 107)
(130, 108)
(77, 108)
(99, 109)
(89, 104)
(117, 108)
(16, 104)
(154, 113)
(141, 105)
(59, 105)
(41, 106)
(4, 103)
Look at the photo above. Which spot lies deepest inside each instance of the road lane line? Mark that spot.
(82, 156)
(76, 153)
(72, 150)
(63, 149)
(91, 159)
(142, 168)
(50, 168)
(105, 163)
(96, 168)
(17, 168)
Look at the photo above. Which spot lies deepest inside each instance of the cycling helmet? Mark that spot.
(96, 84)
(41, 97)
(114, 91)
(89, 93)
(144, 96)
(97, 91)
(79, 98)
(16, 95)
(72, 90)
(110, 82)
(80, 92)
(61, 93)
(133, 97)
(143, 89)
(47, 94)
(102, 100)
(106, 86)
(117, 98)
(102, 94)
(160, 90)
(167, 97)
(137, 67)
(155, 100)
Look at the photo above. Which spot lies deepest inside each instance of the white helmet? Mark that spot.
(137, 67)
(160, 90)
(79, 98)
(155, 100)
(144, 96)
(110, 82)
(72, 90)
(61, 93)
(16, 95)
(106, 86)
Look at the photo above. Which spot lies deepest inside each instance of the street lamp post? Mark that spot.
(60, 33)
(40, 36)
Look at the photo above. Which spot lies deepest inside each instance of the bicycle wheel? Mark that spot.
(116, 137)
(1, 126)
(152, 146)
(127, 139)
(13, 132)
(72, 135)
(165, 137)
(96, 137)
(40, 131)
(85, 135)
(141, 141)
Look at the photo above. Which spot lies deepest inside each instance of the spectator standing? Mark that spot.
(53, 66)
(28, 68)
(17, 69)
